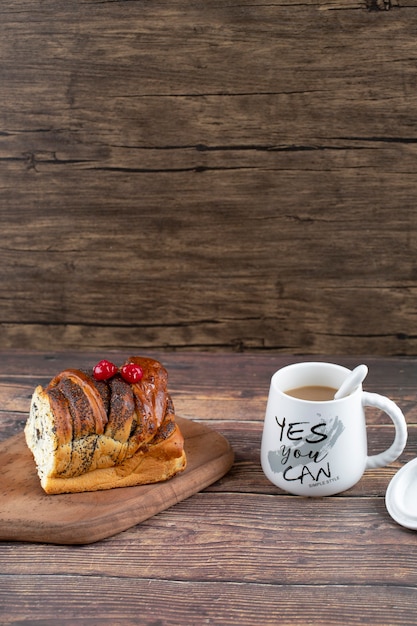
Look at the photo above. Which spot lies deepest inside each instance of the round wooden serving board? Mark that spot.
(27, 513)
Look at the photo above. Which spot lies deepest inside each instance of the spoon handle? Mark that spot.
(352, 381)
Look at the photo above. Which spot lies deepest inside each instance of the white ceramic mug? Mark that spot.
(319, 448)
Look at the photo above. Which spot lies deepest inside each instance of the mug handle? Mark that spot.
(395, 413)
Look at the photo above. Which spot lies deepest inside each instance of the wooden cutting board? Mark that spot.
(27, 513)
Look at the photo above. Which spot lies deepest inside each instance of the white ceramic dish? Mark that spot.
(401, 496)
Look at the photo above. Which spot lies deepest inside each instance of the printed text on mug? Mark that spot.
(304, 449)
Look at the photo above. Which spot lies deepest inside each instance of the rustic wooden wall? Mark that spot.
(209, 175)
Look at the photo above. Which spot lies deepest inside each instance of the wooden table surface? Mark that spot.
(240, 552)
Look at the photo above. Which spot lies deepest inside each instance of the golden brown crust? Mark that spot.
(84, 399)
(88, 435)
(157, 463)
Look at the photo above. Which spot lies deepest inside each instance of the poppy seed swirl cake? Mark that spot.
(88, 435)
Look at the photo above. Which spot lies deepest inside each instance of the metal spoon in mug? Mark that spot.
(352, 382)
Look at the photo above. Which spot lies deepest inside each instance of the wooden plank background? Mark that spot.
(209, 175)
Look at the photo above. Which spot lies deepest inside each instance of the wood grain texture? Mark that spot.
(240, 552)
(211, 175)
(28, 514)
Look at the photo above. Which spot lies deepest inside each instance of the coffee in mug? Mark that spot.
(312, 392)
(317, 446)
